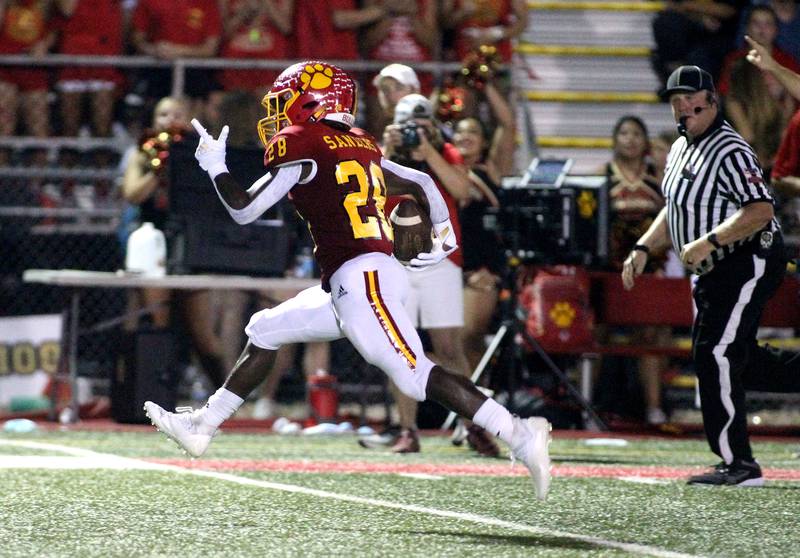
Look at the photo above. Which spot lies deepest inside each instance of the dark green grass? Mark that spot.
(146, 513)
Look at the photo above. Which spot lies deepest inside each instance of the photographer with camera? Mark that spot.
(436, 301)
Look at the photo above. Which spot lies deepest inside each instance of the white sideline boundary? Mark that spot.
(105, 460)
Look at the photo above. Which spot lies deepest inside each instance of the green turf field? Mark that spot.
(132, 494)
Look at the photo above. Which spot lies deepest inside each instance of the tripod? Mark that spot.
(507, 340)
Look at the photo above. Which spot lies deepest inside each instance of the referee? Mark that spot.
(719, 217)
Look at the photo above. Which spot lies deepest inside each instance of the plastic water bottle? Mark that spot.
(19, 426)
(304, 264)
(147, 251)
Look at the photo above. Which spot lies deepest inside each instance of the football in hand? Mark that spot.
(413, 230)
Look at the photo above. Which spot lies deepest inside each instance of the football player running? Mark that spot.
(337, 179)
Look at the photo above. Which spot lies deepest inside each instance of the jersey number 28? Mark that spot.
(370, 186)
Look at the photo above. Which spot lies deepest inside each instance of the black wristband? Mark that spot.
(712, 238)
(641, 248)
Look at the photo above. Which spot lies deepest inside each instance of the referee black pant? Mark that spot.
(728, 360)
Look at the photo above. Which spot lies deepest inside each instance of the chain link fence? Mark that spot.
(59, 217)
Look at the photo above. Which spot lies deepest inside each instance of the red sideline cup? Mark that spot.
(323, 397)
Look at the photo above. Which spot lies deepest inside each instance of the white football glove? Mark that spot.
(210, 152)
(444, 244)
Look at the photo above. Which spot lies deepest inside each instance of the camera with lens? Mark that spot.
(408, 111)
(410, 133)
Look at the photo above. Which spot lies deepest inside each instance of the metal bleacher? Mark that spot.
(589, 65)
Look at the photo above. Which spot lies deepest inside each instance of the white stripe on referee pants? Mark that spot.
(745, 294)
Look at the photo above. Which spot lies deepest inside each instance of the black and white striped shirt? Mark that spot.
(708, 180)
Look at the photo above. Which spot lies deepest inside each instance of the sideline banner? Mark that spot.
(29, 351)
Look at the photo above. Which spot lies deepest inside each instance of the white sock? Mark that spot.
(220, 407)
(495, 419)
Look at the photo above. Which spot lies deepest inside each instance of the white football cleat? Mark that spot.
(530, 443)
(181, 427)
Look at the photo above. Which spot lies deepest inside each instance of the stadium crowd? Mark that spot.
(468, 116)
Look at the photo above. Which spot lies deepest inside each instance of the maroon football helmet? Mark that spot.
(308, 92)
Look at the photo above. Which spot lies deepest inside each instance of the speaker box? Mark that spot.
(146, 370)
(203, 238)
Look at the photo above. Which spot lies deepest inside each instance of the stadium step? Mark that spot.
(594, 119)
(588, 64)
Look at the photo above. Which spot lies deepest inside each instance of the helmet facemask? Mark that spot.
(276, 103)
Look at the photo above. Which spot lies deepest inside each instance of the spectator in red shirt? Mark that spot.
(257, 29)
(332, 34)
(484, 22)
(89, 27)
(25, 28)
(741, 83)
(329, 30)
(407, 33)
(178, 29)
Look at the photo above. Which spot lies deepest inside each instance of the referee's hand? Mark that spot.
(632, 267)
(695, 253)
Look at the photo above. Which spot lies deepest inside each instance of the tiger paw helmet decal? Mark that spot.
(318, 76)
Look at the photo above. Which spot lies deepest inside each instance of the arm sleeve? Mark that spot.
(744, 179)
(264, 193)
(438, 207)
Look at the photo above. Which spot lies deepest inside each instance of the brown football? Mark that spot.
(413, 231)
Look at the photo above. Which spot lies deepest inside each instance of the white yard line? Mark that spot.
(118, 462)
(643, 480)
(421, 476)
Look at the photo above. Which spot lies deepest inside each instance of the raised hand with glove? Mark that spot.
(444, 244)
(210, 152)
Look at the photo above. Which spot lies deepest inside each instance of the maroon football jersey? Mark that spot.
(343, 202)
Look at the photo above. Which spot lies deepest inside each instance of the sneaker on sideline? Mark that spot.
(530, 443)
(656, 416)
(407, 442)
(181, 427)
(382, 440)
(738, 473)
